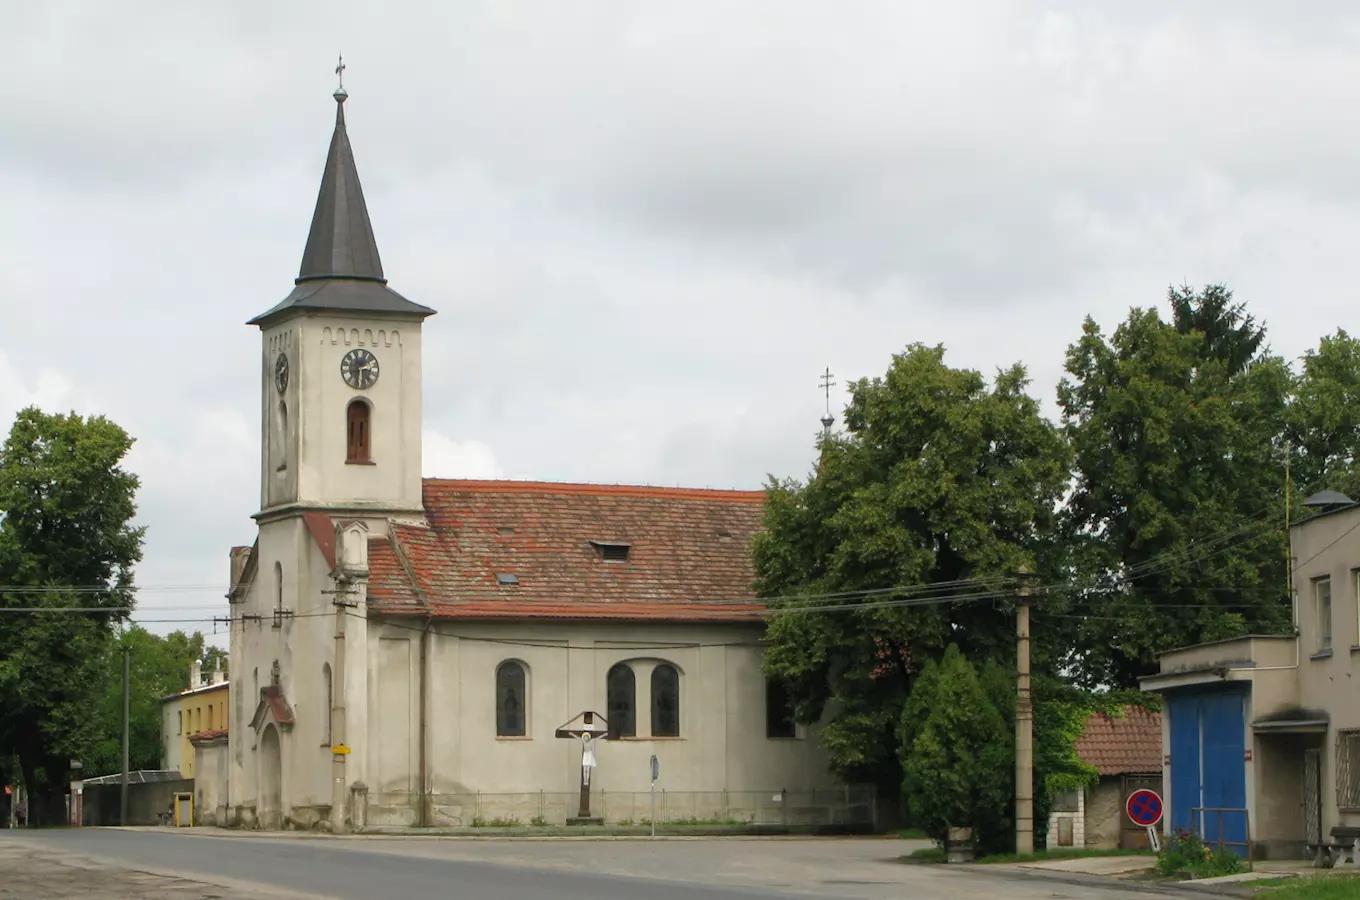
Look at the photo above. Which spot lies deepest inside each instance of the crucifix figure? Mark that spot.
(587, 729)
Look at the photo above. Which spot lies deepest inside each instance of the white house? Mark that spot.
(404, 650)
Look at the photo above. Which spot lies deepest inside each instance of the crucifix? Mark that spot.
(587, 728)
(340, 70)
(826, 384)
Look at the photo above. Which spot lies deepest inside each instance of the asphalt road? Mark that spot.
(528, 870)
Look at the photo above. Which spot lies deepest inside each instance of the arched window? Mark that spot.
(278, 595)
(330, 701)
(665, 701)
(621, 688)
(779, 722)
(510, 700)
(282, 451)
(357, 423)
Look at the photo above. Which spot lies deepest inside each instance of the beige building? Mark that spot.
(405, 650)
(202, 708)
(1262, 733)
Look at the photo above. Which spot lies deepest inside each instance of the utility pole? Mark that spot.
(1024, 719)
(127, 693)
(339, 750)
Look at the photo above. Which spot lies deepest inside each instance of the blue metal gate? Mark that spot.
(1208, 769)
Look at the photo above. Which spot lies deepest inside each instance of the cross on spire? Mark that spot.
(826, 384)
(340, 92)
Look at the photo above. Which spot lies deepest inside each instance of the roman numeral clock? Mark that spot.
(359, 368)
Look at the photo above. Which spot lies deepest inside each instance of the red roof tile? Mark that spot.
(1129, 745)
(688, 557)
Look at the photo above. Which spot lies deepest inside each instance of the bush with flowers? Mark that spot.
(1184, 852)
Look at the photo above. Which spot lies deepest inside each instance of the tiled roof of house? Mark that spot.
(1119, 746)
(688, 553)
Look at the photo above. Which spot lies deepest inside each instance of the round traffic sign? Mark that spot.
(1144, 808)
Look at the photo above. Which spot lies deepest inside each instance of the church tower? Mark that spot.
(340, 368)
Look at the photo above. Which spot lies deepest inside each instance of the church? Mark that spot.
(428, 652)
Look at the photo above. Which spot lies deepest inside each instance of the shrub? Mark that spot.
(956, 760)
(1185, 852)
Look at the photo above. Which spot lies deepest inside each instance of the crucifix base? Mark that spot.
(584, 820)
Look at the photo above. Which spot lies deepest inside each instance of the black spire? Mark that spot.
(341, 242)
(341, 268)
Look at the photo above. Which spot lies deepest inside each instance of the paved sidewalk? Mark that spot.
(31, 871)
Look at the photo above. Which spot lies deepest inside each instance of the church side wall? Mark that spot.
(722, 766)
(302, 643)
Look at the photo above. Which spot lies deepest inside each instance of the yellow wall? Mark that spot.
(188, 714)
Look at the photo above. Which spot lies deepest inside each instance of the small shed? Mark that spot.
(1127, 752)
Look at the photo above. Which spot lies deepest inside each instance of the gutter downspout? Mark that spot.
(423, 817)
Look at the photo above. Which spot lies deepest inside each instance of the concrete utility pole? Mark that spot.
(1024, 719)
(127, 694)
(339, 750)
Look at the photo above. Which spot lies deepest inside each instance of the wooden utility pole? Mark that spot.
(1024, 720)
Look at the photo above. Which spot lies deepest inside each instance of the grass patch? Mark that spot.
(911, 834)
(1059, 853)
(1314, 887)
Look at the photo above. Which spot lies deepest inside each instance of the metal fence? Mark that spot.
(838, 807)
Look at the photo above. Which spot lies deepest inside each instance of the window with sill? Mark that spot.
(357, 419)
(665, 701)
(1322, 611)
(510, 700)
(621, 701)
(779, 721)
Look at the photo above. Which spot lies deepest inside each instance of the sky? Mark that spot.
(647, 226)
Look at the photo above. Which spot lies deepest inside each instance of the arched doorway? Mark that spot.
(271, 780)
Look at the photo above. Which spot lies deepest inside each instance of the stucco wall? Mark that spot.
(210, 784)
(1327, 546)
(722, 745)
(1105, 814)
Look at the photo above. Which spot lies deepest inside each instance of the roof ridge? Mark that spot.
(511, 486)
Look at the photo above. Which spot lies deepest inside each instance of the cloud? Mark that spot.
(647, 226)
(446, 458)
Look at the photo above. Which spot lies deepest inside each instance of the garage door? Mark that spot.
(1208, 737)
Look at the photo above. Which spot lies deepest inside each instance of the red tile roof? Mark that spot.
(688, 558)
(1129, 745)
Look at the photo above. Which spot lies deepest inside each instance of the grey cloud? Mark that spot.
(647, 227)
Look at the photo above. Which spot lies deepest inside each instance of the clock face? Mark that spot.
(281, 373)
(359, 369)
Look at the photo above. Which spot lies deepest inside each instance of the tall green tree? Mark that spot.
(941, 480)
(1176, 517)
(66, 542)
(157, 667)
(1324, 417)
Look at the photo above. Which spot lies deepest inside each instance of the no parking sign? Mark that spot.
(1145, 808)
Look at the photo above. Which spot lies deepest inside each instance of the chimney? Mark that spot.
(196, 674)
(218, 676)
